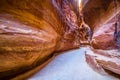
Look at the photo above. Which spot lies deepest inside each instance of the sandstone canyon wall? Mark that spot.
(105, 56)
(31, 30)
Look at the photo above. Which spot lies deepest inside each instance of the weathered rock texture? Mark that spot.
(31, 30)
(105, 55)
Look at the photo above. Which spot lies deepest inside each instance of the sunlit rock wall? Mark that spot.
(31, 30)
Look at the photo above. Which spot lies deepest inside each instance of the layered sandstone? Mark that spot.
(31, 30)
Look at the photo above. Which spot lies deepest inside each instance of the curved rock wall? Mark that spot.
(101, 18)
(31, 30)
(105, 55)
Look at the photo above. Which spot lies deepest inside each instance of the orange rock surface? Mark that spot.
(31, 30)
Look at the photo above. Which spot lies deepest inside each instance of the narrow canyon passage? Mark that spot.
(60, 39)
(69, 65)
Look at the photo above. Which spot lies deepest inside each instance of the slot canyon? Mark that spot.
(59, 40)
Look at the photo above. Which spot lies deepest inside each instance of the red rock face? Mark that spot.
(105, 52)
(31, 30)
(102, 60)
(70, 35)
(103, 38)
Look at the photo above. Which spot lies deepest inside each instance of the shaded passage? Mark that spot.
(70, 65)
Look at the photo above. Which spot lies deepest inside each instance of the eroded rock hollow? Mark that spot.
(32, 30)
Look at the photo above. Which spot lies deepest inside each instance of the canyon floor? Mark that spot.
(69, 65)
